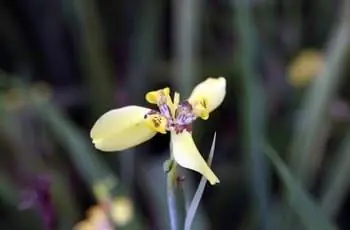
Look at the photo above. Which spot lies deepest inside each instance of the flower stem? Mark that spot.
(176, 201)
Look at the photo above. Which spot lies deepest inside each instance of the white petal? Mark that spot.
(212, 90)
(187, 155)
(120, 129)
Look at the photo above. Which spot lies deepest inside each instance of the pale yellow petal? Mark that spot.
(120, 129)
(201, 110)
(209, 93)
(187, 155)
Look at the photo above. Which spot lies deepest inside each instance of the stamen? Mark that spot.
(165, 111)
(169, 117)
(163, 105)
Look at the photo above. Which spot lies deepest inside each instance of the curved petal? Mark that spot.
(187, 155)
(120, 129)
(209, 94)
(153, 97)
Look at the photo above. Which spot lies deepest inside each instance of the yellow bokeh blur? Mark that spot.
(307, 65)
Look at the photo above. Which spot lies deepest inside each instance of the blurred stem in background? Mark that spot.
(293, 22)
(298, 199)
(85, 24)
(314, 114)
(186, 34)
(186, 19)
(253, 113)
(143, 54)
(143, 49)
(336, 182)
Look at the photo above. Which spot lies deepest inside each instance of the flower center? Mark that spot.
(164, 120)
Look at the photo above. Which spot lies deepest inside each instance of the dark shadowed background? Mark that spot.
(283, 136)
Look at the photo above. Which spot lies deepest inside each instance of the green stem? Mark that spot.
(336, 179)
(175, 196)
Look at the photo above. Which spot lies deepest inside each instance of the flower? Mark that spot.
(308, 64)
(39, 196)
(97, 219)
(122, 210)
(126, 127)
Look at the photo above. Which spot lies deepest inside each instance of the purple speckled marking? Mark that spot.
(165, 111)
(184, 115)
(39, 196)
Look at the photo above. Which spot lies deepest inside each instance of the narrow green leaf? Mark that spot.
(84, 21)
(337, 179)
(191, 212)
(309, 212)
(253, 112)
(102, 181)
(187, 31)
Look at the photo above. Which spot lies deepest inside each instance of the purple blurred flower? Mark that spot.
(38, 196)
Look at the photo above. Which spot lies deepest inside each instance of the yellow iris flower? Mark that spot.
(126, 127)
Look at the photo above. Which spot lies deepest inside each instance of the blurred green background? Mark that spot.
(283, 136)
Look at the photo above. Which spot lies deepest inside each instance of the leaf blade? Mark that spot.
(192, 209)
(309, 212)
